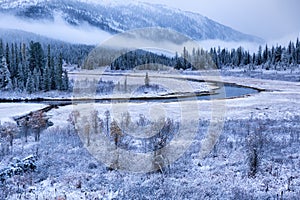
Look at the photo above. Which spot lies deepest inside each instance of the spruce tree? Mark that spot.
(297, 60)
(265, 54)
(65, 81)
(1, 48)
(25, 69)
(12, 62)
(259, 56)
(7, 56)
(37, 79)
(47, 81)
(36, 56)
(278, 52)
(30, 84)
(5, 80)
(46, 86)
(52, 74)
(185, 57)
(59, 71)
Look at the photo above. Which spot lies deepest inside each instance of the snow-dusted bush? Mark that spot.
(8, 131)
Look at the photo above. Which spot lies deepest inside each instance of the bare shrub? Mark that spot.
(8, 132)
(116, 133)
(125, 121)
(37, 122)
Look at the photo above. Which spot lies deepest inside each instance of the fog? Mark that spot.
(57, 29)
(86, 34)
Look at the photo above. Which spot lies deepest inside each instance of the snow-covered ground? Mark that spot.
(10, 110)
(267, 121)
(167, 87)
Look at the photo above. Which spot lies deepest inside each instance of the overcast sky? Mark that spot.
(268, 19)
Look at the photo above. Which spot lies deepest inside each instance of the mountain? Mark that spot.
(114, 17)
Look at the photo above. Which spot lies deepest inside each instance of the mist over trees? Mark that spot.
(275, 57)
(35, 66)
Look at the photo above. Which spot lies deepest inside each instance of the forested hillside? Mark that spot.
(37, 67)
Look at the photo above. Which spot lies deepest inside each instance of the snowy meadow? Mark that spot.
(126, 123)
(91, 150)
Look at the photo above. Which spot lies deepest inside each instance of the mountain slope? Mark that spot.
(115, 17)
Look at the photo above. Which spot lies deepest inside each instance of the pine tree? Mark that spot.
(185, 57)
(1, 48)
(265, 54)
(259, 56)
(297, 52)
(47, 76)
(46, 86)
(239, 56)
(36, 56)
(12, 62)
(37, 79)
(21, 77)
(285, 57)
(59, 71)
(24, 69)
(7, 56)
(5, 80)
(278, 52)
(52, 74)
(65, 81)
(30, 84)
(272, 57)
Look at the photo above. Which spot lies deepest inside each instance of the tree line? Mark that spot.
(140, 57)
(27, 67)
(275, 57)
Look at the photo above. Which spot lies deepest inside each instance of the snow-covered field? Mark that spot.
(10, 110)
(266, 123)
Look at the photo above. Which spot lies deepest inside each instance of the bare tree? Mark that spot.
(8, 132)
(125, 84)
(255, 145)
(73, 117)
(25, 126)
(94, 119)
(126, 120)
(159, 159)
(37, 122)
(116, 133)
(147, 80)
(107, 119)
(85, 129)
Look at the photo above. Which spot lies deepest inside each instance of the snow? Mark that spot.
(64, 161)
(280, 101)
(111, 2)
(135, 14)
(10, 110)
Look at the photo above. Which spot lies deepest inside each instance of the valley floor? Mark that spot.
(256, 155)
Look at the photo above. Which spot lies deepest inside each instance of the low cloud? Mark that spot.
(57, 29)
(86, 34)
(284, 41)
(248, 46)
